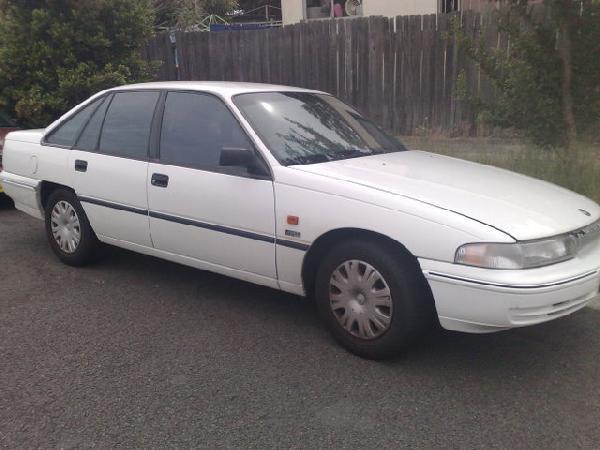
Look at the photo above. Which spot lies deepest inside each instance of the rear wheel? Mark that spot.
(68, 230)
(374, 300)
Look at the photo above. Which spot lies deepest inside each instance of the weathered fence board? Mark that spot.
(402, 72)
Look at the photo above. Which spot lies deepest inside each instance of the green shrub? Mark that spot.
(548, 77)
(56, 53)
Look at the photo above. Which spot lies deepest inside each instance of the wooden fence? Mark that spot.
(402, 72)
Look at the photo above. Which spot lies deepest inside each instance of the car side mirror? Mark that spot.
(236, 157)
(243, 157)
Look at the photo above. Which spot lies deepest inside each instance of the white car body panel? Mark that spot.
(24, 191)
(518, 205)
(196, 263)
(119, 181)
(238, 226)
(322, 210)
(484, 300)
(214, 200)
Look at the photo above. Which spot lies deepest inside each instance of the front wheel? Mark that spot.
(68, 230)
(373, 299)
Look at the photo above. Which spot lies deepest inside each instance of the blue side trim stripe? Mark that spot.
(196, 223)
(95, 201)
(293, 244)
(209, 226)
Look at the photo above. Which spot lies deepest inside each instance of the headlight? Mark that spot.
(520, 255)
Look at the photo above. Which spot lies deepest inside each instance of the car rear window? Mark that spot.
(88, 140)
(127, 125)
(66, 133)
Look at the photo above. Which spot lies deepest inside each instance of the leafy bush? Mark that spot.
(548, 81)
(187, 14)
(56, 53)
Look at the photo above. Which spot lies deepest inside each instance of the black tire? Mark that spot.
(87, 249)
(412, 308)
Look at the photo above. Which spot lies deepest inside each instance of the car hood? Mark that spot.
(523, 207)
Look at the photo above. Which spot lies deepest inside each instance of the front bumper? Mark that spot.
(475, 300)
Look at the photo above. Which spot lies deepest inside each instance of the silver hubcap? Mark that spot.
(65, 227)
(360, 299)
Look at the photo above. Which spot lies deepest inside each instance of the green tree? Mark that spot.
(56, 53)
(218, 7)
(187, 14)
(248, 5)
(165, 13)
(548, 84)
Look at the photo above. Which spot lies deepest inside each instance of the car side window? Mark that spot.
(126, 129)
(66, 133)
(88, 140)
(196, 127)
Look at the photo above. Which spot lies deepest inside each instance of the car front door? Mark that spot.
(110, 166)
(222, 216)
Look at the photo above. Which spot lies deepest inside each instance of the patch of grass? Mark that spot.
(580, 173)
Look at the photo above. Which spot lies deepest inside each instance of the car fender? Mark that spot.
(323, 205)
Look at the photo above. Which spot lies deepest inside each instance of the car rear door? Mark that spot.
(199, 209)
(110, 166)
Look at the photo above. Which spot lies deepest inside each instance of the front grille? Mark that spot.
(587, 235)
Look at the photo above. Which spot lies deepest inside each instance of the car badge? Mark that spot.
(293, 234)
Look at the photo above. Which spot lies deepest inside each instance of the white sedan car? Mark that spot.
(295, 190)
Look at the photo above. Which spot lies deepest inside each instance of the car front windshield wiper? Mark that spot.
(318, 158)
(354, 153)
(307, 159)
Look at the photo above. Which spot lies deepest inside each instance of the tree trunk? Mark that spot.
(564, 51)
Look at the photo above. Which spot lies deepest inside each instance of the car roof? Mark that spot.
(223, 88)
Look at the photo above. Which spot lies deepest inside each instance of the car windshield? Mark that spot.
(306, 128)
